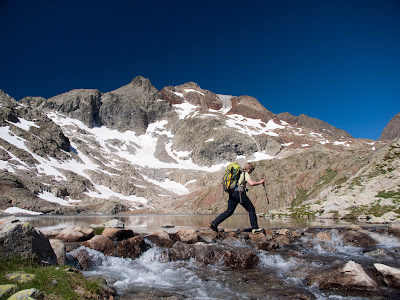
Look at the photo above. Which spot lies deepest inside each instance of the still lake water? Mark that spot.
(151, 223)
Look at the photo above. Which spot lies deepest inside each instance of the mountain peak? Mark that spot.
(392, 129)
(139, 84)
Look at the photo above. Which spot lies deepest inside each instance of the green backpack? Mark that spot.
(231, 177)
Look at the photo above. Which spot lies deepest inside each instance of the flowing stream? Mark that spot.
(278, 275)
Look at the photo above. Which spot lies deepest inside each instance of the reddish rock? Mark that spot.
(131, 248)
(118, 234)
(102, 244)
(161, 238)
(240, 258)
(208, 236)
(187, 235)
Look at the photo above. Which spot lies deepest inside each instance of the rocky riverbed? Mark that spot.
(308, 263)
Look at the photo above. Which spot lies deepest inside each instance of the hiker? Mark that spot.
(239, 196)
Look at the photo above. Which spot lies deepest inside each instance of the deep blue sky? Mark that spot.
(335, 60)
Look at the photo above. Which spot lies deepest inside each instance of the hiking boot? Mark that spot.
(257, 231)
(213, 227)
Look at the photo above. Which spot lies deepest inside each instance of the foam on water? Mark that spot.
(151, 271)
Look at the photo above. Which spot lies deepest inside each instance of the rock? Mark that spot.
(351, 276)
(390, 275)
(7, 289)
(394, 229)
(161, 238)
(28, 295)
(211, 254)
(21, 239)
(187, 235)
(76, 234)
(325, 236)
(262, 242)
(115, 223)
(357, 239)
(377, 253)
(20, 277)
(79, 258)
(207, 236)
(131, 248)
(281, 240)
(283, 231)
(118, 234)
(240, 258)
(59, 250)
(102, 244)
(353, 227)
(378, 220)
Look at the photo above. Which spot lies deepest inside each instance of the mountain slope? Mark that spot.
(137, 149)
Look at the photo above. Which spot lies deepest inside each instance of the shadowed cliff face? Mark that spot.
(392, 129)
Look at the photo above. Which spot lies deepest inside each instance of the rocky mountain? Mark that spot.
(392, 129)
(140, 150)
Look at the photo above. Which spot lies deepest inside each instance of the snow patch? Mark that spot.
(16, 211)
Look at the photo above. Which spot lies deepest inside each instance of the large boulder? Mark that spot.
(187, 235)
(351, 276)
(118, 234)
(22, 240)
(131, 248)
(213, 254)
(76, 234)
(161, 238)
(390, 275)
(102, 243)
(358, 239)
(59, 249)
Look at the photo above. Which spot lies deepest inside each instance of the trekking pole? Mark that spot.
(266, 194)
(269, 207)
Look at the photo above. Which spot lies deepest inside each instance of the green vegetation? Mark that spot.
(389, 194)
(374, 209)
(98, 231)
(356, 181)
(301, 211)
(54, 281)
(340, 181)
(301, 197)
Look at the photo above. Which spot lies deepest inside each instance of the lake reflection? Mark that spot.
(150, 223)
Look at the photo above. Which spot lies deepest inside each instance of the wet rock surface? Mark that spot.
(278, 264)
(308, 263)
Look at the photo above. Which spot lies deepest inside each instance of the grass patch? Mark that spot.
(54, 281)
(301, 212)
(301, 197)
(374, 209)
(98, 231)
(389, 194)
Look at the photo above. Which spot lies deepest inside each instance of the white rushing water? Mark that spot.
(150, 271)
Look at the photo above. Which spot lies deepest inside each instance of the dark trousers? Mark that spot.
(233, 201)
